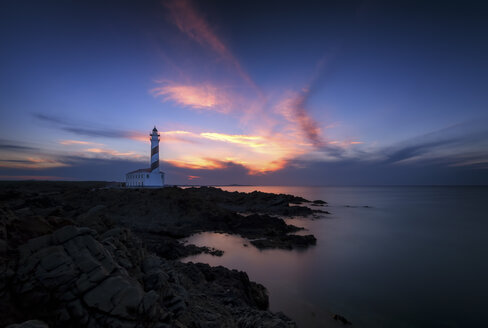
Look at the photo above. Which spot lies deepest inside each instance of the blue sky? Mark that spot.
(280, 92)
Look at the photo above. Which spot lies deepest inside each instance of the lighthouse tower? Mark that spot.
(154, 150)
(150, 177)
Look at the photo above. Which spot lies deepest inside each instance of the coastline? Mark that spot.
(69, 245)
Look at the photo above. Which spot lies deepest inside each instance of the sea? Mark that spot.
(406, 256)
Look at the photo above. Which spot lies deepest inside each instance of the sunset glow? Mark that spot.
(248, 93)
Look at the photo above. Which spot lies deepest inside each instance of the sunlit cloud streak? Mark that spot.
(198, 163)
(251, 141)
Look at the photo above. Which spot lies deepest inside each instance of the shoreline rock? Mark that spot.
(73, 254)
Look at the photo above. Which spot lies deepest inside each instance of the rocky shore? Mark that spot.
(81, 254)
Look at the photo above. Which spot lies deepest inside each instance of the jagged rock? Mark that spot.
(74, 274)
(29, 324)
(266, 320)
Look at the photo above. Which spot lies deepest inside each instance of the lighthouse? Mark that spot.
(151, 177)
(154, 150)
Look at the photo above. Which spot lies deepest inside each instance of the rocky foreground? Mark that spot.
(84, 255)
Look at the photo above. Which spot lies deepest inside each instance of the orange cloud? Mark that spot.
(193, 177)
(257, 153)
(269, 167)
(198, 163)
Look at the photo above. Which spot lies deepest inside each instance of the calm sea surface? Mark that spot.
(417, 258)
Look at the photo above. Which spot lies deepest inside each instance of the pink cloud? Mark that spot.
(203, 96)
(293, 109)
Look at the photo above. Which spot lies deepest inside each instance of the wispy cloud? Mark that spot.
(81, 129)
(33, 177)
(462, 144)
(10, 146)
(105, 152)
(293, 109)
(186, 17)
(77, 142)
(32, 163)
(49, 118)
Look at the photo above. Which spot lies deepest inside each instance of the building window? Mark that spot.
(147, 176)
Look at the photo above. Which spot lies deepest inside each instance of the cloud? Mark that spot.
(8, 145)
(462, 144)
(185, 16)
(204, 96)
(92, 132)
(292, 108)
(199, 163)
(251, 141)
(178, 137)
(81, 130)
(34, 177)
(49, 118)
(112, 152)
(32, 163)
(77, 142)
(193, 177)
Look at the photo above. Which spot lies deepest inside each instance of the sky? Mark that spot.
(246, 92)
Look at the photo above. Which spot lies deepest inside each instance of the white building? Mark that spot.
(150, 177)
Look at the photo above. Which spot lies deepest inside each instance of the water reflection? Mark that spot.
(281, 271)
(416, 258)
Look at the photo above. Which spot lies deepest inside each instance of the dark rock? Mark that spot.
(285, 242)
(341, 319)
(69, 277)
(29, 324)
(77, 254)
